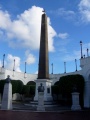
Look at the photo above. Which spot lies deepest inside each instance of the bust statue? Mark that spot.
(41, 88)
(8, 79)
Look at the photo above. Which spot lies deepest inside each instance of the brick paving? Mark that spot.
(27, 115)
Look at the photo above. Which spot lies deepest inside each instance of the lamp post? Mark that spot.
(87, 52)
(14, 66)
(76, 64)
(52, 68)
(3, 60)
(65, 67)
(25, 67)
(81, 49)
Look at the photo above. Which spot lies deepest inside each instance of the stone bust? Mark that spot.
(8, 80)
(41, 88)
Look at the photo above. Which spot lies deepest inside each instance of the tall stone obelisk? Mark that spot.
(43, 68)
(43, 71)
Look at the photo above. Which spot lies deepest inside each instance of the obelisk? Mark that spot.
(43, 70)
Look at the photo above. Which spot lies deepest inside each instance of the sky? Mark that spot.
(20, 25)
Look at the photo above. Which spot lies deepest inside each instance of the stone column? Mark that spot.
(43, 70)
(7, 96)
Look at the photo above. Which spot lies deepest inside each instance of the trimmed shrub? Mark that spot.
(31, 83)
(32, 90)
(26, 90)
(55, 91)
(67, 83)
(17, 86)
(2, 82)
(56, 83)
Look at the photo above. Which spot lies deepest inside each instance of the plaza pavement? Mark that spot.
(27, 115)
(22, 112)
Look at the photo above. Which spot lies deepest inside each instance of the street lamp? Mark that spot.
(87, 52)
(14, 65)
(25, 67)
(52, 68)
(76, 64)
(65, 67)
(81, 48)
(3, 60)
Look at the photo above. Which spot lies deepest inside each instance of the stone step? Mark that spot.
(46, 103)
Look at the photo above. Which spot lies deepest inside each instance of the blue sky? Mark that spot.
(68, 24)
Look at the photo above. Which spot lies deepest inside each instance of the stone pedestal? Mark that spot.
(47, 89)
(7, 97)
(75, 101)
(40, 106)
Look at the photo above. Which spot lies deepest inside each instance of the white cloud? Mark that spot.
(36, 72)
(63, 35)
(84, 9)
(30, 58)
(25, 30)
(62, 11)
(76, 54)
(9, 63)
(67, 14)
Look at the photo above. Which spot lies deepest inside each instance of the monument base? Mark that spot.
(7, 97)
(75, 107)
(75, 101)
(40, 106)
(47, 89)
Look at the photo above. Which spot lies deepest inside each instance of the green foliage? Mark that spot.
(17, 86)
(26, 90)
(56, 83)
(55, 89)
(14, 86)
(65, 87)
(31, 83)
(32, 90)
(2, 82)
(66, 84)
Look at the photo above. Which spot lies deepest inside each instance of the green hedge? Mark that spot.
(67, 83)
(28, 90)
(55, 89)
(2, 82)
(31, 83)
(32, 90)
(17, 86)
(65, 87)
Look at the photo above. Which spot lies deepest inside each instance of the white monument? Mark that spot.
(40, 106)
(7, 95)
(75, 101)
